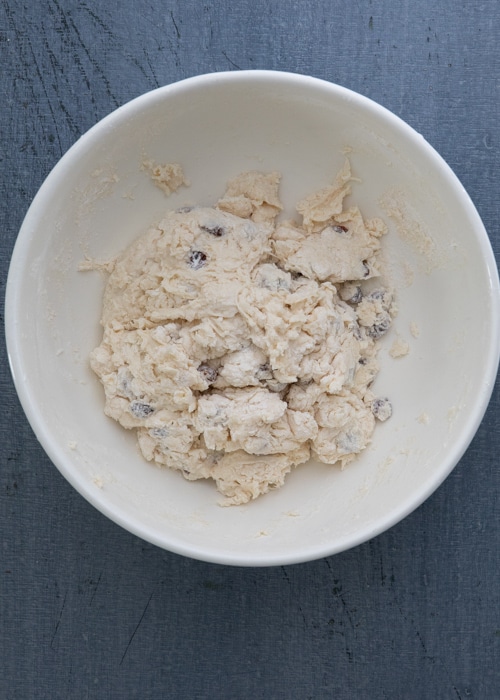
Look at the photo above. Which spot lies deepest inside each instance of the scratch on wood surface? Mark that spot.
(136, 628)
(95, 589)
(97, 19)
(427, 656)
(151, 68)
(287, 579)
(58, 620)
(70, 27)
(327, 562)
(49, 104)
(230, 61)
(175, 24)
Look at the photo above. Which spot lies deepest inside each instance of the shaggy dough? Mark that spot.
(238, 348)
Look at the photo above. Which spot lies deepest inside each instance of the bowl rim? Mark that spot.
(20, 373)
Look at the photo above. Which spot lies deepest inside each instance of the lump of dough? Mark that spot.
(325, 205)
(241, 477)
(253, 195)
(191, 266)
(344, 249)
(345, 423)
(237, 348)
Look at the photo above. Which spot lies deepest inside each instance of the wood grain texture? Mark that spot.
(88, 610)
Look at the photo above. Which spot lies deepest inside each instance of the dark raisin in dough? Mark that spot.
(141, 410)
(209, 373)
(197, 259)
(356, 297)
(217, 231)
(381, 409)
(379, 329)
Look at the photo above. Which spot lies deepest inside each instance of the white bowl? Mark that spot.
(97, 200)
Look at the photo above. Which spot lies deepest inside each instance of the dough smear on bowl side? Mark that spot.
(238, 346)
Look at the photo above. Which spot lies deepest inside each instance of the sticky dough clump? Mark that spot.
(238, 347)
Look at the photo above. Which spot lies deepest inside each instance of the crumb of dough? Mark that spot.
(410, 230)
(168, 177)
(382, 409)
(399, 348)
(97, 265)
(424, 418)
(323, 206)
(414, 329)
(239, 347)
(408, 274)
(452, 413)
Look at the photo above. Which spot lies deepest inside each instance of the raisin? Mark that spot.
(338, 228)
(159, 432)
(366, 269)
(377, 295)
(381, 409)
(215, 456)
(350, 292)
(379, 328)
(209, 373)
(124, 382)
(356, 297)
(274, 284)
(184, 210)
(141, 410)
(347, 443)
(264, 372)
(217, 231)
(197, 259)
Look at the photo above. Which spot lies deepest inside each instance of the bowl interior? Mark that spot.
(98, 199)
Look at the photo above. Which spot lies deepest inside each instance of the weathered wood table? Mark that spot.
(90, 611)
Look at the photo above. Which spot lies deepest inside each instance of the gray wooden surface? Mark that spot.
(89, 611)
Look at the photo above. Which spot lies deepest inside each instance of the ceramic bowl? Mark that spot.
(98, 199)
